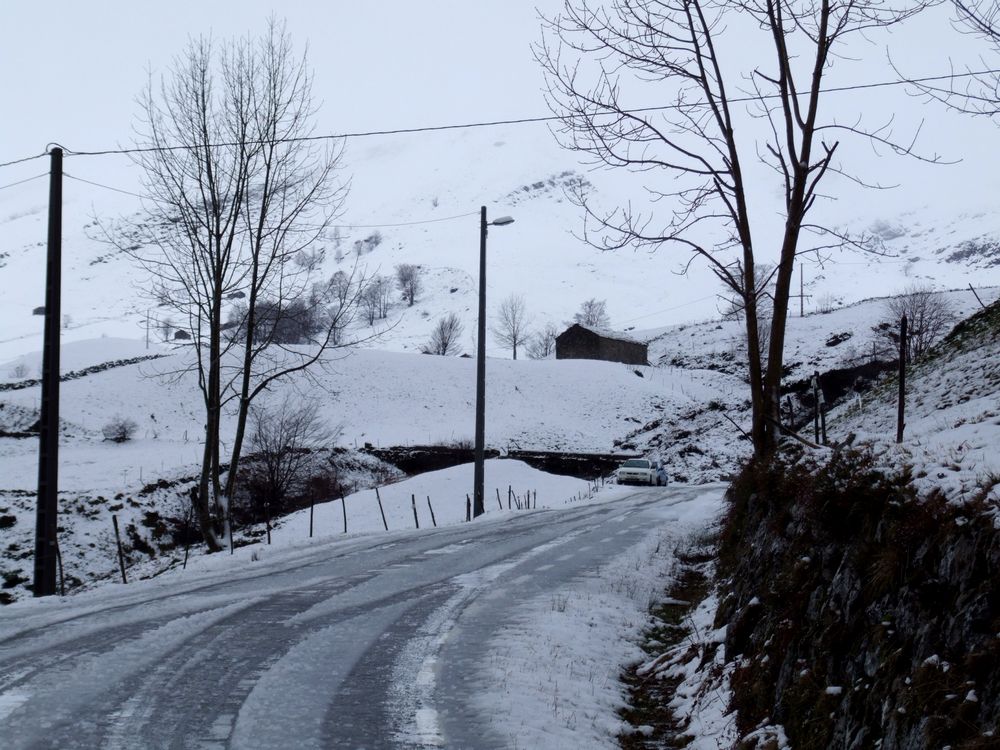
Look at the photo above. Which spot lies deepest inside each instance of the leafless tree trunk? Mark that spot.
(511, 324)
(238, 194)
(593, 53)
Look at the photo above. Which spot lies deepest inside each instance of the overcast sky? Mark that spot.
(70, 72)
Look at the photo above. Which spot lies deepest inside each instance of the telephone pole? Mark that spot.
(479, 456)
(46, 524)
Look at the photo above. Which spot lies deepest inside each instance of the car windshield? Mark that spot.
(636, 463)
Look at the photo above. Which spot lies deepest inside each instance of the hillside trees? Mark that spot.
(593, 313)
(929, 315)
(543, 343)
(511, 323)
(408, 282)
(444, 340)
(692, 152)
(237, 192)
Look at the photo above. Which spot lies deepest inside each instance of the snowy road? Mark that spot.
(377, 642)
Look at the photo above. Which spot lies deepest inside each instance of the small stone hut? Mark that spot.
(580, 342)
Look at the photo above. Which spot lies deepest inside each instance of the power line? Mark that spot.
(22, 160)
(21, 182)
(669, 309)
(114, 189)
(303, 226)
(493, 123)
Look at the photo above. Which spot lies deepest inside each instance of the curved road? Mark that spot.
(363, 643)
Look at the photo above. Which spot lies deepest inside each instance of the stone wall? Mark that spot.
(858, 614)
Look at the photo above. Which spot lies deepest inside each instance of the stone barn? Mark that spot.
(580, 342)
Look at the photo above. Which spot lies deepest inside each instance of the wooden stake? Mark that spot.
(499, 502)
(312, 505)
(343, 507)
(900, 424)
(413, 504)
(431, 508)
(977, 297)
(62, 581)
(380, 509)
(118, 541)
(187, 538)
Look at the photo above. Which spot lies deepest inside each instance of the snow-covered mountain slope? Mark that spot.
(512, 170)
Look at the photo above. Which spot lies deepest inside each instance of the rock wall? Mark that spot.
(858, 614)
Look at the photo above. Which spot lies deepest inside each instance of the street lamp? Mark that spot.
(478, 506)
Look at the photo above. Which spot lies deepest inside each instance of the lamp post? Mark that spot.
(478, 507)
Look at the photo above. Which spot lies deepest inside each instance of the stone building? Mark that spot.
(580, 342)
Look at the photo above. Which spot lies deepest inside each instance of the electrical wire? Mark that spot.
(68, 176)
(493, 123)
(21, 182)
(669, 309)
(22, 160)
(303, 226)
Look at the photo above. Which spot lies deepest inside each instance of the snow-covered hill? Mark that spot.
(515, 171)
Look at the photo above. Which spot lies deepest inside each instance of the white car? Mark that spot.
(642, 471)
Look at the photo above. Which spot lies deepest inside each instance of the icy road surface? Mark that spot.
(373, 643)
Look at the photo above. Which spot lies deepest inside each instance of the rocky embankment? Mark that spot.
(859, 614)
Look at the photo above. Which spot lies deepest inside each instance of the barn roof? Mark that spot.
(606, 333)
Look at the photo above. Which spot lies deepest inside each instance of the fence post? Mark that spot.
(509, 493)
(468, 509)
(380, 509)
(229, 516)
(900, 424)
(499, 502)
(62, 580)
(118, 541)
(431, 508)
(413, 504)
(815, 387)
(312, 505)
(187, 538)
(343, 507)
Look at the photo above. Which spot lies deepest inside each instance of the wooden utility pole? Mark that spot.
(46, 524)
(802, 294)
(902, 380)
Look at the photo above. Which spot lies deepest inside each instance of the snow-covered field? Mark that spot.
(677, 409)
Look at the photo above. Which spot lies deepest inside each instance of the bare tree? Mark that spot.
(511, 323)
(408, 282)
(929, 316)
(239, 194)
(283, 441)
(445, 337)
(592, 54)
(593, 314)
(543, 343)
(376, 297)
